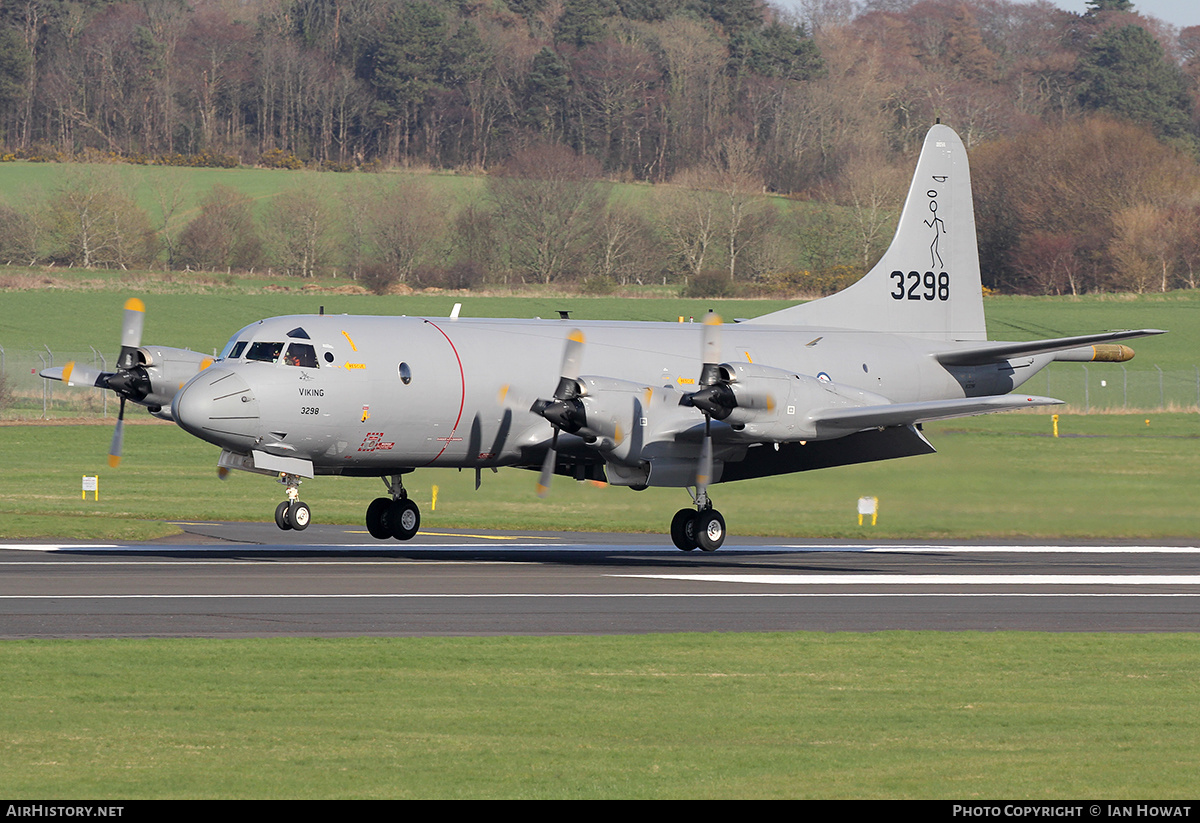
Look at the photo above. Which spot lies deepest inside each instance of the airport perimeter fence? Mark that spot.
(1092, 387)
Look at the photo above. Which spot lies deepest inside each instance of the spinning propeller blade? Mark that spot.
(131, 332)
(713, 398)
(130, 381)
(543, 484)
(118, 438)
(563, 411)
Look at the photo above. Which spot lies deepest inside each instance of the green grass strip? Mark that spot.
(889, 715)
(1000, 476)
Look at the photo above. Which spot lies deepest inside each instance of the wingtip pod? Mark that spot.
(1112, 353)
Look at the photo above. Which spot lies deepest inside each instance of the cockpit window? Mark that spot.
(227, 351)
(301, 354)
(236, 351)
(265, 352)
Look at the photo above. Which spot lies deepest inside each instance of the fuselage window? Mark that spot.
(301, 354)
(265, 352)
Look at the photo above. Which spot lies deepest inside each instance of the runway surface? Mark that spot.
(251, 580)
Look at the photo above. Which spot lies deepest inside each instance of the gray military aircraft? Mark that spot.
(845, 379)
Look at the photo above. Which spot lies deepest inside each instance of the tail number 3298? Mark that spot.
(918, 286)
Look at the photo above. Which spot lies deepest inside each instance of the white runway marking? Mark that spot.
(582, 596)
(1005, 549)
(55, 547)
(936, 579)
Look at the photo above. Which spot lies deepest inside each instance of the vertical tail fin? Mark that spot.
(927, 282)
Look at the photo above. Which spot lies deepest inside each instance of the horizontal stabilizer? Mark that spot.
(832, 421)
(980, 354)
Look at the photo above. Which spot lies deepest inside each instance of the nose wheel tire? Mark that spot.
(281, 516)
(293, 515)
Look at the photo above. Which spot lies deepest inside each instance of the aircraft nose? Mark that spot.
(219, 406)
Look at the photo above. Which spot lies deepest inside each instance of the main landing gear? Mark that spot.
(292, 513)
(702, 528)
(394, 516)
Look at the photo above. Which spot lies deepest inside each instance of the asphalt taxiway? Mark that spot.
(252, 580)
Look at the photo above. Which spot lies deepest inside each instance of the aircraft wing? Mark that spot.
(980, 354)
(852, 419)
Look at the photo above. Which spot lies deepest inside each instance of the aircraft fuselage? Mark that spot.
(385, 394)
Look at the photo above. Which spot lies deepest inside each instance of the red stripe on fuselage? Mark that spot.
(462, 399)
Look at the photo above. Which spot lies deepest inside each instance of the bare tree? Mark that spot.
(873, 190)
(548, 198)
(406, 223)
(224, 234)
(734, 171)
(687, 218)
(723, 199)
(94, 221)
(622, 249)
(300, 229)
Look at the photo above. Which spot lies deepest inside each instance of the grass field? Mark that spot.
(999, 476)
(23, 182)
(966, 716)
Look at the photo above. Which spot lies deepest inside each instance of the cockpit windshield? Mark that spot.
(299, 354)
(265, 352)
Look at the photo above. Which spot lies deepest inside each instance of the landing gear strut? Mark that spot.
(702, 528)
(292, 513)
(394, 516)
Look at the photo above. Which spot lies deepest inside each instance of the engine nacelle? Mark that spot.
(613, 410)
(167, 369)
(774, 405)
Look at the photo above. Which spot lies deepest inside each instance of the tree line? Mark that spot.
(723, 99)
(547, 216)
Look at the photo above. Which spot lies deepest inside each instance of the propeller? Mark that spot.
(565, 411)
(714, 398)
(130, 381)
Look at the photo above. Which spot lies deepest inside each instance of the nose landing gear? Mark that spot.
(394, 516)
(292, 513)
